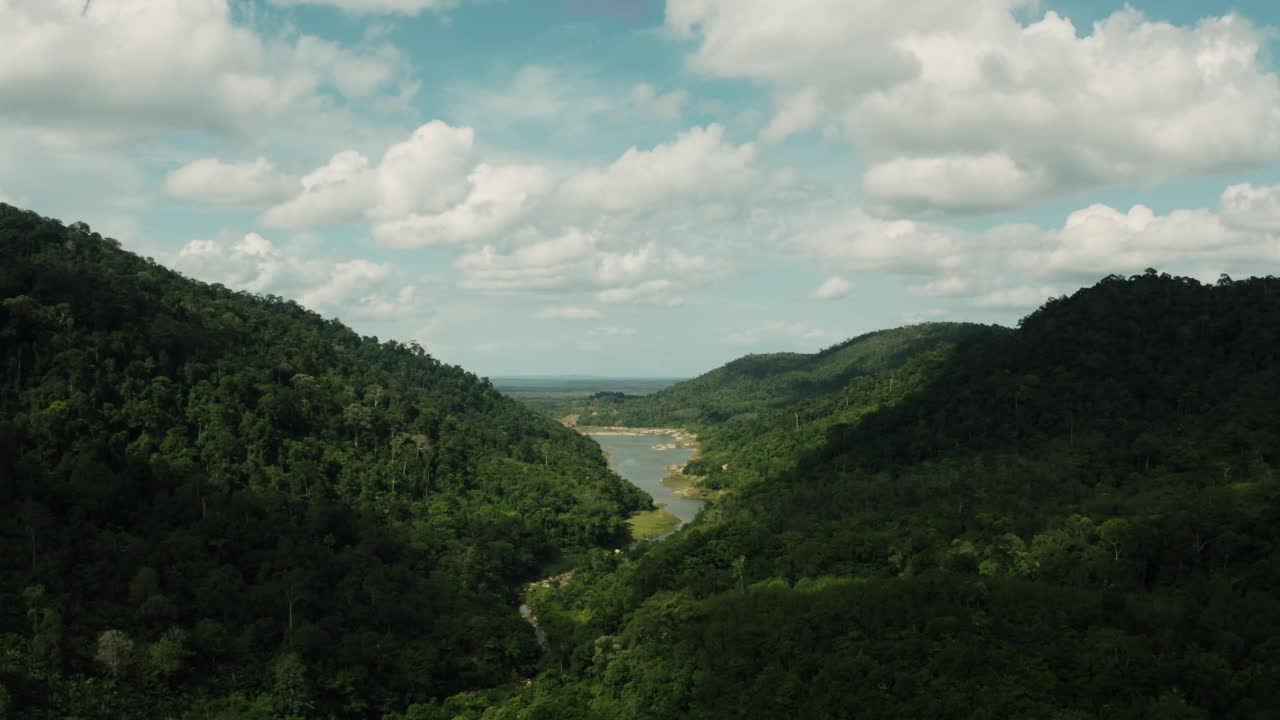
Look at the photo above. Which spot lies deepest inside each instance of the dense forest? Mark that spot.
(1074, 519)
(758, 415)
(221, 505)
(217, 505)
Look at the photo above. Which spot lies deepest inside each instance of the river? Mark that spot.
(635, 458)
(638, 459)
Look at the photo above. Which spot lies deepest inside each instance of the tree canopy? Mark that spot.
(222, 504)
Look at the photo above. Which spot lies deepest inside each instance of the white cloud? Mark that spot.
(213, 181)
(856, 241)
(795, 114)
(576, 261)
(1246, 206)
(555, 263)
(697, 164)
(646, 99)
(102, 72)
(378, 7)
(355, 287)
(1100, 239)
(1016, 266)
(955, 183)
(345, 280)
(963, 107)
(425, 173)
(834, 288)
(498, 197)
(567, 312)
(340, 191)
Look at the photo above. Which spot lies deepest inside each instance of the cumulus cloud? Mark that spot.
(1016, 266)
(1255, 208)
(1102, 239)
(965, 107)
(353, 287)
(646, 100)
(498, 197)
(426, 172)
(856, 241)
(577, 261)
(834, 288)
(697, 164)
(795, 114)
(555, 263)
(339, 191)
(213, 181)
(101, 72)
(956, 183)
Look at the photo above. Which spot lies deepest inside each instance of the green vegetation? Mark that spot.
(649, 524)
(759, 414)
(557, 396)
(217, 505)
(1075, 519)
(222, 505)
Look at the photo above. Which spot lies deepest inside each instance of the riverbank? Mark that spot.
(681, 438)
(652, 524)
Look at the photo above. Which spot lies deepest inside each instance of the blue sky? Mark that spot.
(622, 187)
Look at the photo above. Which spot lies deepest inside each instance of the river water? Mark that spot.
(635, 458)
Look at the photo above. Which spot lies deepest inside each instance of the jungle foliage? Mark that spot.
(216, 504)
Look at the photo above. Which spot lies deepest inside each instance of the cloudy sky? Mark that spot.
(639, 187)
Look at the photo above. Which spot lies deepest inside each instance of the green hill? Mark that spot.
(1074, 519)
(758, 413)
(217, 504)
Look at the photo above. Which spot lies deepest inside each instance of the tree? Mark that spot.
(115, 652)
(167, 656)
(358, 419)
(289, 684)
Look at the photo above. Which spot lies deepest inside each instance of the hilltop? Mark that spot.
(764, 409)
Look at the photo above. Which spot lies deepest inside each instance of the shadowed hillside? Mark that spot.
(225, 505)
(1075, 519)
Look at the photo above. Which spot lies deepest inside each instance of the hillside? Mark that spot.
(1075, 519)
(758, 413)
(217, 504)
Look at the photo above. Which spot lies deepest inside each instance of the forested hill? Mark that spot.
(1077, 519)
(759, 413)
(214, 504)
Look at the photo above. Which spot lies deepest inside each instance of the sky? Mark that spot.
(649, 188)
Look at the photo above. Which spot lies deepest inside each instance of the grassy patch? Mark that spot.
(652, 523)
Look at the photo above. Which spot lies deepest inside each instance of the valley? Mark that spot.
(281, 518)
